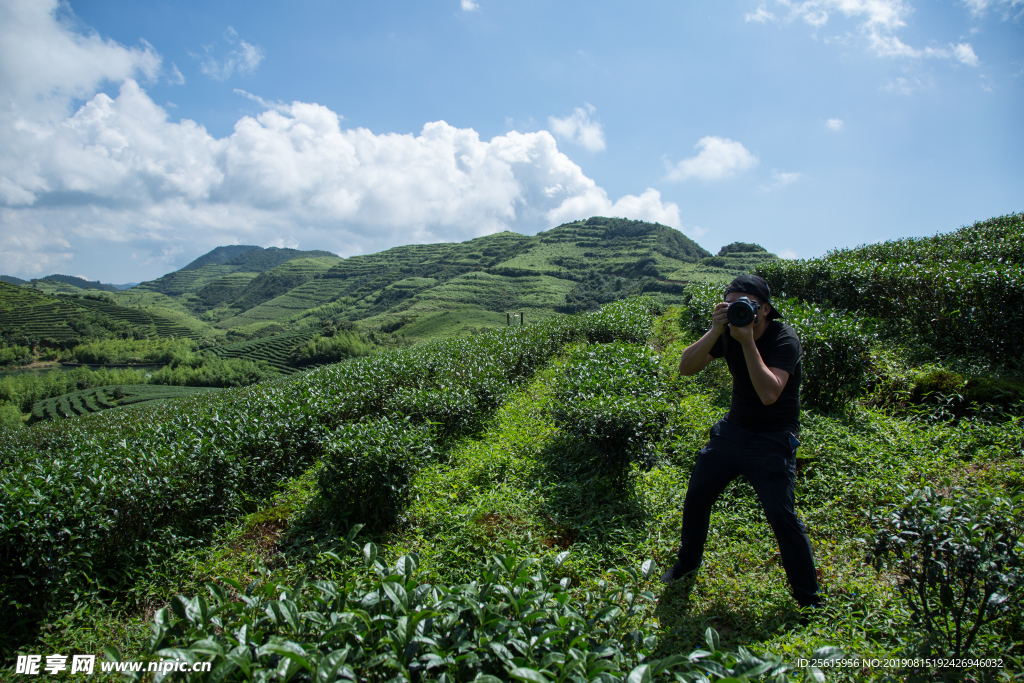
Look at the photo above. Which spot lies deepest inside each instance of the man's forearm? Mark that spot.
(695, 355)
(766, 384)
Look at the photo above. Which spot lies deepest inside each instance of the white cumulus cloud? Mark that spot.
(834, 124)
(44, 63)
(469, 5)
(578, 129)
(119, 172)
(718, 158)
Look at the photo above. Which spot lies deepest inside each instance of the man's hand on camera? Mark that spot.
(720, 318)
(743, 334)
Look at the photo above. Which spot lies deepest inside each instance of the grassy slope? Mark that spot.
(505, 490)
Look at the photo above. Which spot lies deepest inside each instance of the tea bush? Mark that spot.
(836, 361)
(614, 399)
(515, 623)
(95, 498)
(962, 394)
(958, 291)
(961, 557)
(699, 302)
(23, 391)
(366, 468)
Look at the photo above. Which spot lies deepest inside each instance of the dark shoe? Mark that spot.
(810, 612)
(676, 572)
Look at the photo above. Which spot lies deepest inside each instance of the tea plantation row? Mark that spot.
(278, 351)
(101, 398)
(960, 291)
(89, 502)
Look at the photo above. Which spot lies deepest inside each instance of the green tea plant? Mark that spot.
(957, 291)
(515, 623)
(961, 557)
(366, 469)
(614, 399)
(836, 362)
(101, 497)
(959, 395)
(699, 302)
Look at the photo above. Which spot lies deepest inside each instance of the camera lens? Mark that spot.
(742, 312)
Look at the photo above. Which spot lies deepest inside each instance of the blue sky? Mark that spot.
(137, 136)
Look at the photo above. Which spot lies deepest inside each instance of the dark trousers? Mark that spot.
(768, 461)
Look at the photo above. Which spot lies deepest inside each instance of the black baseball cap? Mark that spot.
(756, 285)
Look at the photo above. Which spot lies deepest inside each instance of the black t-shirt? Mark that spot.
(779, 348)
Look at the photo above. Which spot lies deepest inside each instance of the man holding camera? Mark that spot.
(758, 436)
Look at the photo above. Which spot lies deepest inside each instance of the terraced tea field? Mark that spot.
(276, 351)
(28, 313)
(103, 398)
(163, 326)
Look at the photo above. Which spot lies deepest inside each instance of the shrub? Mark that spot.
(962, 394)
(961, 558)
(97, 499)
(23, 391)
(141, 351)
(699, 300)
(613, 398)
(450, 411)
(515, 623)
(366, 468)
(836, 359)
(15, 355)
(331, 349)
(958, 291)
(11, 417)
(212, 371)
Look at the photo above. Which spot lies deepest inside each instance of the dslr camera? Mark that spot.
(743, 311)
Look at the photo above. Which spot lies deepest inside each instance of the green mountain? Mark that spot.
(439, 289)
(79, 282)
(220, 255)
(238, 293)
